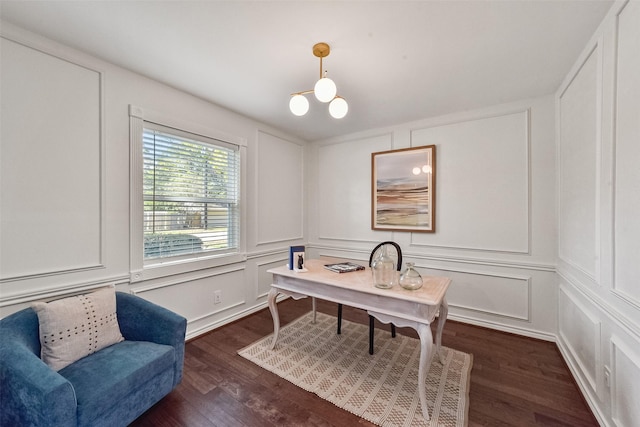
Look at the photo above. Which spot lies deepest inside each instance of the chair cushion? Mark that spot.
(72, 328)
(113, 375)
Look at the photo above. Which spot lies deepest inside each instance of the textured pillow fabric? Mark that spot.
(75, 327)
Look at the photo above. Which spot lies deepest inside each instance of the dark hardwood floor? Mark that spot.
(515, 381)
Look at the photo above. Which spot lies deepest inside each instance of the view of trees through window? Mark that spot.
(190, 189)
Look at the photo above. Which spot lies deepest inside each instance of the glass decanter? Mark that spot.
(384, 269)
(410, 279)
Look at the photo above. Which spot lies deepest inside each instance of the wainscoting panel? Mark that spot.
(627, 156)
(482, 182)
(264, 279)
(52, 169)
(194, 297)
(580, 331)
(492, 293)
(280, 190)
(579, 108)
(598, 129)
(625, 410)
(344, 188)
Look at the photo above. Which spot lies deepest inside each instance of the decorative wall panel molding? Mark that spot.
(625, 385)
(280, 190)
(580, 113)
(199, 289)
(344, 211)
(31, 295)
(627, 155)
(53, 164)
(263, 279)
(580, 331)
(483, 183)
(607, 306)
(503, 263)
(493, 293)
(180, 280)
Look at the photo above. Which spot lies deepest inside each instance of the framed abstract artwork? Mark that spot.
(403, 189)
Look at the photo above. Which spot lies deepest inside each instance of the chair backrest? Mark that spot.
(398, 252)
(21, 328)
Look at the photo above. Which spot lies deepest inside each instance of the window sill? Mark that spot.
(159, 269)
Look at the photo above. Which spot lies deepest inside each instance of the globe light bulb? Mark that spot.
(338, 108)
(299, 105)
(325, 89)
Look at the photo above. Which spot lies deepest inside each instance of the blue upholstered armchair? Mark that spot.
(110, 387)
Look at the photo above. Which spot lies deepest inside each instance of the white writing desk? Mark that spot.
(413, 309)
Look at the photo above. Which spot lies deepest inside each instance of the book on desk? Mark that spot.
(296, 258)
(343, 267)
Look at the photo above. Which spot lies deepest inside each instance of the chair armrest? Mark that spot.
(142, 320)
(31, 393)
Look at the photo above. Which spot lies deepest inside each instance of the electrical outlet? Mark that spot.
(217, 297)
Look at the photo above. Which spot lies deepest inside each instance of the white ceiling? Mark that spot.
(394, 61)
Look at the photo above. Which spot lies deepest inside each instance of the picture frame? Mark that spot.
(403, 189)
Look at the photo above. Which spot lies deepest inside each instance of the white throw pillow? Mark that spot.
(75, 327)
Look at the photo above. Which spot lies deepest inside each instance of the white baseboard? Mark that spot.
(221, 322)
(587, 392)
(545, 336)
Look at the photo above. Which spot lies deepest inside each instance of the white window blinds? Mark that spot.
(191, 193)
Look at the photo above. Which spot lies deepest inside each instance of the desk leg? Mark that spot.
(273, 308)
(313, 307)
(444, 311)
(426, 347)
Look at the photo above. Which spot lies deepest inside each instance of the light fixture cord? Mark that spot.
(321, 67)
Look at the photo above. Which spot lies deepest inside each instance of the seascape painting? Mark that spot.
(403, 189)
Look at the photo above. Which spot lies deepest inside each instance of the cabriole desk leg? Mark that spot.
(426, 347)
(444, 311)
(273, 308)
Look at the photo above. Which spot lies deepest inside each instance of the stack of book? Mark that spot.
(344, 267)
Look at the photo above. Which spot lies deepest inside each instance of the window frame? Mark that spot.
(144, 269)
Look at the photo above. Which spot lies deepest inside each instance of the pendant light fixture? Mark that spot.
(324, 90)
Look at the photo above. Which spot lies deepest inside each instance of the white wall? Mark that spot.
(598, 132)
(64, 176)
(495, 209)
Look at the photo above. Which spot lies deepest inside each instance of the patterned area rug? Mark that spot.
(382, 388)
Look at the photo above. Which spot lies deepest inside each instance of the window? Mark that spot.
(190, 194)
